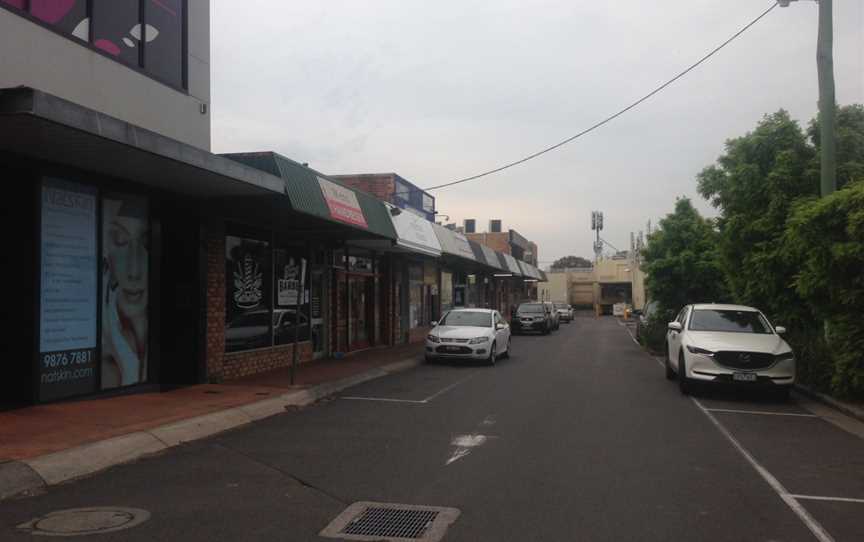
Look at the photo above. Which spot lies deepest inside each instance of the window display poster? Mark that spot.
(125, 289)
(68, 299)
(248, 280)
(290, 268)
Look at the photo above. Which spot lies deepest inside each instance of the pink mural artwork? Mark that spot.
(108, 46)
(51, 11)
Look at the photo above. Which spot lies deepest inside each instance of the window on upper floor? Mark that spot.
(428, 203)
(144, 34)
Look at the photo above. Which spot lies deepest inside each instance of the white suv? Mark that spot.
(728, 343)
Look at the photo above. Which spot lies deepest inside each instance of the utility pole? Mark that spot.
(827, 104)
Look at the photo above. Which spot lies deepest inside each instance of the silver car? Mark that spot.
(728, 344)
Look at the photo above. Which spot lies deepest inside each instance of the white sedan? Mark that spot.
(471, 334)
(728, 343)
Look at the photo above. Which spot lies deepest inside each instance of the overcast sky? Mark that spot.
(436, 91)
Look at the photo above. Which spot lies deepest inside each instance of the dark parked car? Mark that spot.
(532, 317)
(642, 317)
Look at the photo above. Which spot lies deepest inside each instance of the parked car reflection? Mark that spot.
(252, 329)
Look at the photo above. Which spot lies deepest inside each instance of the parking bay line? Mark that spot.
(815, 527)
(411, 401)
(764, 413)
(821, 498)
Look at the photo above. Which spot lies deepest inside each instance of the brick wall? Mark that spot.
(237, 364)
(382, 186)
(223, 366)
(215, 304)
(495, 241)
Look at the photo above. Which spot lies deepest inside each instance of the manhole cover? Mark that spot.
(387, 521)
(84, 521)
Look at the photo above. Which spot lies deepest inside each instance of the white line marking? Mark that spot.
(820, 498)
(815, 527)
(384, 399)
(410, 401)
(734, 411)
(448, 388)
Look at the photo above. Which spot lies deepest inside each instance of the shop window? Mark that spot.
(163, 35)
(248, 277)
(68, 290)
(125, 290)
(67, 16)
(291, 311)
(117, 29)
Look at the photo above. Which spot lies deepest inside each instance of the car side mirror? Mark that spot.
(674, 326)
(780, 330)
(434, 323)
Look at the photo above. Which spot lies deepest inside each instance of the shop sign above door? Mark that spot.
(342, 203)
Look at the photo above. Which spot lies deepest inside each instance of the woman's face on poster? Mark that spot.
(128, 258)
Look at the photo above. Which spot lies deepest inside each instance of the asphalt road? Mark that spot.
(577, 437)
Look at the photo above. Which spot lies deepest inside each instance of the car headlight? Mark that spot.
(787, 356)
(479, 340)
(702, 351)
(433, 338)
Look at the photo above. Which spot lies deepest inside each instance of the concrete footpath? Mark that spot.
(50, 444)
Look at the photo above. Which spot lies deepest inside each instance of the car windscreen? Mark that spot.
(530, 308)
(467, 318)
(729, 321)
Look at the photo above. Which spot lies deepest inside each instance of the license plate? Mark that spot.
(451, 349)
(744, 377)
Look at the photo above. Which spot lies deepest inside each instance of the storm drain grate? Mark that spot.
(396, 522)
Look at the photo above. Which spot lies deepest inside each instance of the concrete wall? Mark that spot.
(495, 241)
(555, 289)
(583, 286)
(40, 58)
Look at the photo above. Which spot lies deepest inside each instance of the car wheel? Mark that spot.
(493, 355)
(670, 374)
(506, 354)
(684, 383)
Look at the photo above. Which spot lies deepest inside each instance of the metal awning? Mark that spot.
(454, 243)
(414, 232)
(306, 190)
(510, 263)
(43, 127)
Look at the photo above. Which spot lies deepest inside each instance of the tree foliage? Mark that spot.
(570, 262)
(681, 262)
(826, 237)
(784, 250)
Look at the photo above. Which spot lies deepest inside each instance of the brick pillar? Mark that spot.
(215, 304)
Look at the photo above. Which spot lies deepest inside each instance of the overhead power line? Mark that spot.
(614, 116)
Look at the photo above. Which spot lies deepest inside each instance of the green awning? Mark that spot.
(306, 188)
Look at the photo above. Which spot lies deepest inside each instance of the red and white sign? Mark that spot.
(342, 203)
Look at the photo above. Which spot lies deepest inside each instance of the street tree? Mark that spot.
(753, 185)
(680, 260)
(570, 262)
